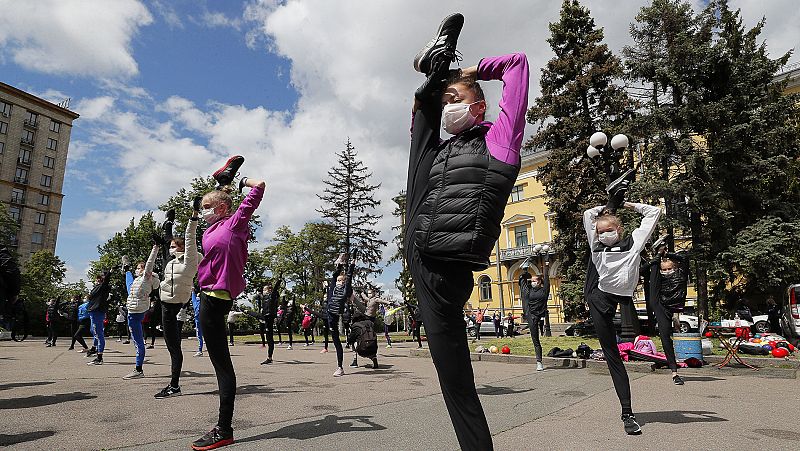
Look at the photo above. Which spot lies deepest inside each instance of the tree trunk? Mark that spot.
(701, 277)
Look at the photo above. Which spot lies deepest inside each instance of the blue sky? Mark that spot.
(168, 89)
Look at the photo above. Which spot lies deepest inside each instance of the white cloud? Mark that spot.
(168, 13)
(781, 30)
(104, 224)
(94, 108)
(220, 20)
(77, 37)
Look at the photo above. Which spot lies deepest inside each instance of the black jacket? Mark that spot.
(534, 300)
(466, 196)
(98, 297)
(267, 305)
(336, 297)
(669, 291)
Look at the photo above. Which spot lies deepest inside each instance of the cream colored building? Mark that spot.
(34, 139)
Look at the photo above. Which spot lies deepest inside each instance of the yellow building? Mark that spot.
(525, 225)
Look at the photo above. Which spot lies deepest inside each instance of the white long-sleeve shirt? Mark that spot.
(180, 271)
(617, 268)
(139, 295)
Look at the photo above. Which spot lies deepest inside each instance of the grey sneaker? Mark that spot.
(135, 374)
(198, 354)
(339, 372)
(539, 366)
(630, 424)
(96, 361)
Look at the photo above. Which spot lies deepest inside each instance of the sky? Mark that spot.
(167, 90)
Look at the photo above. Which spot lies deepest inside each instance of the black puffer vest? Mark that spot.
(467, 195)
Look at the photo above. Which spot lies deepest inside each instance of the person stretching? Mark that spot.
(175, 291)
(221, 280)
(97, 308)
(534, 294)
(456, 196)
(82, 317)
(267, 305)
(611, 278)
(138, 304)
(368, 308)
(340, 289)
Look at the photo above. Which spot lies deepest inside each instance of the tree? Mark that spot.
(8, 228)
(579, 96)
(403, 282)
(42, 276)
(349, 203)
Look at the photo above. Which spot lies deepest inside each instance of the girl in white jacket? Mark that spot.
(176, 290)
(138, 303)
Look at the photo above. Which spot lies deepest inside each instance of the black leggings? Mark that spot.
(268, 326)
(231, 329)
(51, 332)
(533, 326)
(602, 307)
(664, 320)
(288, 332)
(213, 315)
(172, 337)
(442, 290)
(78, 335)
(307, 332)
(262, 331)
(333, 325)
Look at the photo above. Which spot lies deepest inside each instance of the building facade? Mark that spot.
(34, 139)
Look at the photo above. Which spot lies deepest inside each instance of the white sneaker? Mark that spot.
(388, 346)
(305, 345)
(339, 372)
(539, 366)
(198, 354)
(323, 351)
(135, 374)
(289, 347)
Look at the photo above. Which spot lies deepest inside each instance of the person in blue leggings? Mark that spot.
(198, 329)
(97, 308)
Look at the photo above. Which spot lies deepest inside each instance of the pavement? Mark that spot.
(50, 399)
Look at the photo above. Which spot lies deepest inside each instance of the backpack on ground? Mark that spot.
(584, 351)
(367, 343)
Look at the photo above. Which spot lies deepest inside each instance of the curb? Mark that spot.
(599, 366)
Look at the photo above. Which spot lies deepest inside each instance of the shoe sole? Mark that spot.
(95, 363)
(167, 396)
(636, 432)
(225, 166)
(138, 376)
(219, 444)
(432, 43)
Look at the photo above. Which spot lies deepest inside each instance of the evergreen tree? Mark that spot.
(579, 96)
(349, 204)
(403, 282)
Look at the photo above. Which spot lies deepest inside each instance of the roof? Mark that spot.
(38, 100)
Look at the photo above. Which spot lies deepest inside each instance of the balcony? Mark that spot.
(34, 124)
(24, 161)
(20, 180)
(518, 253)
(27, 142)
(20, 200)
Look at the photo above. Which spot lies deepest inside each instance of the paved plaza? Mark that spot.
(50, 399)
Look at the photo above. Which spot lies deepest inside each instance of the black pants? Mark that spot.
(288, 332)
(78, 335)
(602, 307)
(416, 333)
(213, 316)
(51, 332)
(332, 324)
(664, 320)
(533, 327)
(442, 290)
(307, 332)
(172, 337)
(231, 329)
(262, 327)
(478, 331)
(325, 332)
(268, 328)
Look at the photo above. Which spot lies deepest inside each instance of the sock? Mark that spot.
(138, 368)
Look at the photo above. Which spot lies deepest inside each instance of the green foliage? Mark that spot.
(42, 276)
(403, 282)
(349, 202)
(8, 228)
(579, 96)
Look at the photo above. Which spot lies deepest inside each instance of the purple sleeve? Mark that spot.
(504, 138)
(242, 216)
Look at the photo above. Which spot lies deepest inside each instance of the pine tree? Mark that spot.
(403, 281)
(349, 204)
(579, 96)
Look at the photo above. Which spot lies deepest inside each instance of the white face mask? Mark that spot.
(609, 238)
(209, 216)
(535, 284)
(139, 272)
(456, 117)
(667, 272)
(174, 251)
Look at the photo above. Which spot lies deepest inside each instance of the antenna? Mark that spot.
(65, 103)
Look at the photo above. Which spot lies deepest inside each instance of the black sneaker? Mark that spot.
(443, 44)
(225, 174)
(266, 362)
(91, 352)
(96, 361)
(374, 364)
(630, 424)
(214, 438)
(677, 380)
(354, 364)
(168, 391)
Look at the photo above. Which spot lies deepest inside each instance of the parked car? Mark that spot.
(687, 324)
(487, 329)
(790, 312)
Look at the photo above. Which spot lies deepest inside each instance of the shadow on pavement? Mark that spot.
(331, 424)
(781, 434)
(41, 400)
(679, 417)
(23, 384)
(702, 378)
(491, 390)
(294, 362)
(248, 390)
(13, 439)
